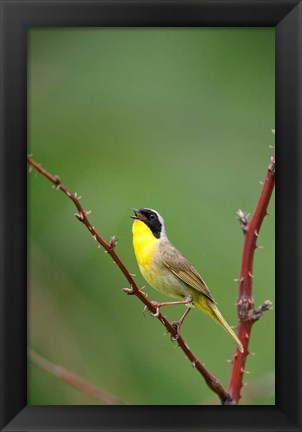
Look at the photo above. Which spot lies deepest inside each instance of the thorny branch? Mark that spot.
(247, 313)
(210, 380)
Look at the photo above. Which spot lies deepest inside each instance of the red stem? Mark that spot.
(246, 312)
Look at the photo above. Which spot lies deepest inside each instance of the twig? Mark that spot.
(247, 313)
(73, 380)
(210, 380)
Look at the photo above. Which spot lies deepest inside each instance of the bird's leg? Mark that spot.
(158, 305)
(178, 324)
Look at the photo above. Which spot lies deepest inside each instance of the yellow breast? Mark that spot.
(144, 244)
(159, 277)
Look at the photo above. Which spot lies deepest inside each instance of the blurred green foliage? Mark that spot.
(174, 119)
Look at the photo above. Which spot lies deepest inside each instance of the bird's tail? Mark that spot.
(210, 309)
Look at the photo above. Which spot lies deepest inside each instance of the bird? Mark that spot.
(169, 272)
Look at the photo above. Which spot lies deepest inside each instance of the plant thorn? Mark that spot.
(128, 291)
(79, 216)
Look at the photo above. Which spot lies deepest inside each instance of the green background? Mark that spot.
(178, 120)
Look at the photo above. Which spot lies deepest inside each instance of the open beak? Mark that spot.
(137, 214)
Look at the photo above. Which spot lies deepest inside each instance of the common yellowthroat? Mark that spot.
(166, 269)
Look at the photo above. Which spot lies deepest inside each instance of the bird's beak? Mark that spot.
(137, 214)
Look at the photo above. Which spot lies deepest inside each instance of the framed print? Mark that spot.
(107, 106)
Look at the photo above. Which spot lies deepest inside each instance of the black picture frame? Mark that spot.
(16, 18)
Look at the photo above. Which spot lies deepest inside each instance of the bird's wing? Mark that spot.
(181, 267)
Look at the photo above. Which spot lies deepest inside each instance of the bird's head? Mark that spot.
(152, 219)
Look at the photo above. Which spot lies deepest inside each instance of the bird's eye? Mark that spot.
(152, 217)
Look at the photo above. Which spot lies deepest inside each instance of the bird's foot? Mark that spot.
(176, 325)
(157, 305)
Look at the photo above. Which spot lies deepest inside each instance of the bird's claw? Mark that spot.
(176, 325)
(145, 310)
(156, 314)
